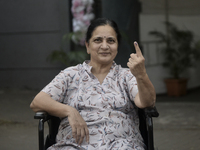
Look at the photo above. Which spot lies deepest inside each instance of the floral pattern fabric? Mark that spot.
(107, 108)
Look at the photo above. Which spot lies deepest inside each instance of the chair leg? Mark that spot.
(41, 134)
(150, 133)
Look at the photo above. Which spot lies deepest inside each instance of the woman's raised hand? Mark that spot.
(136, 62)
(78, 125)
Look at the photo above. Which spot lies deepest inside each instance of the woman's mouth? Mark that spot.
(104, 54)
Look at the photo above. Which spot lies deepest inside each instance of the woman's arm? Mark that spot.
(43, 102)
(146, 96)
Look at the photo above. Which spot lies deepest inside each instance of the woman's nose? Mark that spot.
(104, 45)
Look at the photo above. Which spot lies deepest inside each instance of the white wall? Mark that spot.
(154, 59)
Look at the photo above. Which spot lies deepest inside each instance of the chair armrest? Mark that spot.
(151, 112)
(53, 124)
(42, 115)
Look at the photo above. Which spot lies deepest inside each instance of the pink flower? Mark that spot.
(82, 15)
(76, 3)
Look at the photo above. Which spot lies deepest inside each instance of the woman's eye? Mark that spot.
(97, 40)
(111, 41)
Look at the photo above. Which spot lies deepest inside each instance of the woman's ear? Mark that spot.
(87, 47)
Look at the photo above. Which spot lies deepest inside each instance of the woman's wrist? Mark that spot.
(141, 77)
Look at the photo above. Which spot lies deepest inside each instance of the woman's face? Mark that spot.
(103, 45)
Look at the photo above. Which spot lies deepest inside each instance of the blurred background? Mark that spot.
(33, 34)
(31, 30)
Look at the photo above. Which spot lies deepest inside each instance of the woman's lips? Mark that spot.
(104, 53)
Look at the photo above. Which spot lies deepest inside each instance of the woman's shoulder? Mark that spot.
(73, 69)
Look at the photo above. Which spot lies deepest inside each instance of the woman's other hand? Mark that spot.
(43, 102)
(136, 63)
(78, 125)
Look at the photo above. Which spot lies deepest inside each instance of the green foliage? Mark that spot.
(68, 58)
(58, 55)
(180, 52)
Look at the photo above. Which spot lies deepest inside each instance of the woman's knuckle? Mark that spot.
(143, 59)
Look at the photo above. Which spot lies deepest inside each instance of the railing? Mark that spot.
(152, 51)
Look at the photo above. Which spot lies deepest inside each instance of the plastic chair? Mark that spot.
(146, 127)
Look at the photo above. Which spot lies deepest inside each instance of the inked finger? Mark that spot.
(137, 48)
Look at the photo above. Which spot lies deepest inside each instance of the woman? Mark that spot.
(93, 99)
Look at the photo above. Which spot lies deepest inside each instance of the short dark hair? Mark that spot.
(102, 22)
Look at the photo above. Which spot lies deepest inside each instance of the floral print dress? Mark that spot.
(107, 108)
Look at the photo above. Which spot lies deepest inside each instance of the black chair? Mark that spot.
(146, 127)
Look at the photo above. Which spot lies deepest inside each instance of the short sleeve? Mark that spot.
(57, 87)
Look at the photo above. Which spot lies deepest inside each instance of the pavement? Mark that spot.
(177, 127)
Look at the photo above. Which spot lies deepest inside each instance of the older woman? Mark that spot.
(97, 101)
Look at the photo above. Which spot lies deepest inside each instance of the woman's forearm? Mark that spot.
(43, 102)
(146, 92)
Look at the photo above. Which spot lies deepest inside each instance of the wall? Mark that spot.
(29, 31)
(126, 15)
(185, 15)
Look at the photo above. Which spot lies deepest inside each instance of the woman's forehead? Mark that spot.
(104, 32)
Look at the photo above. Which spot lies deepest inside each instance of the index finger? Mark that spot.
(137, 48)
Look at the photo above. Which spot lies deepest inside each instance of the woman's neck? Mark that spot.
(100, 68)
